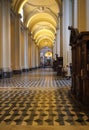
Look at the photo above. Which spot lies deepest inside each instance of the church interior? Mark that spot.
(44, 64)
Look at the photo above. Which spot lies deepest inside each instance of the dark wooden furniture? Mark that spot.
(57, 65)
(85, 65)
(79, 43)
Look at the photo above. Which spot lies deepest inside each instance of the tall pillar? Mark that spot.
(37, 56)
(33, 55)
(32, 50)
(67, 20)
(61, 34)
(75, 13)
(80, 12)
(12, 39)
(17, 46)
(58, 40)
(25, 67)
(54, 51)
(6, 40)
(29, 50)
(0, 38)
(87, 15)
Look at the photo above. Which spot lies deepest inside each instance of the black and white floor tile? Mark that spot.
(39, 99)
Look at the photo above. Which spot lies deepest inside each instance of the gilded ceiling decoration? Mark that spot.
(41, 17)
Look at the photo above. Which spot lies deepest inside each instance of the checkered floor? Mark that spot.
(39, 98)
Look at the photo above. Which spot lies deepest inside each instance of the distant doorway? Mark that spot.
(46, 57)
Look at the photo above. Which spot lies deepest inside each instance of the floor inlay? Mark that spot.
(34, 100)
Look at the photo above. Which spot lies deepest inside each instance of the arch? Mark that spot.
(45, 37)
(44, 32)
(38, 17)
(41, 25)
(44, 44)
(42, 28)
(18, 5)
(41, 12)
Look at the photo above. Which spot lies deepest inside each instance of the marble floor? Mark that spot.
(40, 100)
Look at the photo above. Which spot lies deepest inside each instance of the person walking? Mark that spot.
(68, 72)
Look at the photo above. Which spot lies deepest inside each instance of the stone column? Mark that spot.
(12, 24)
(29, 50)
(67, 20)
(0, 38)
(37, 56)
(58, 41)
(87, 15)
(75, 13)
(61, 33)
(54, 51)
(33, 54)
(6, 40)
(26, 68)
(80, 14)
(17, 46)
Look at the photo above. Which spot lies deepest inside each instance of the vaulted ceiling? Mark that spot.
(41, 17)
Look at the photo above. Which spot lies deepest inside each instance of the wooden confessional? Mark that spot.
(79, 43)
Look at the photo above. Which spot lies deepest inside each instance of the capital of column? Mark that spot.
(15, 14)
(25, 28)
(17, 19)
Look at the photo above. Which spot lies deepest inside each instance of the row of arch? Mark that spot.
(41, 21)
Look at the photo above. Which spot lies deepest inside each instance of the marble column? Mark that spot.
(5, 40)
(54, 51)
(58, 41)
(61, 33)
(12, 15)
(87, 15)
(37, 56)
(33, 55)
(17, 47)
(67, 20)
(0, 37)
(25, 67)
(75, 13)
(29, 51)
(80, 14)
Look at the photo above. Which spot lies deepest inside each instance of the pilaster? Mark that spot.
(17, 47)
(6, 40)
(25, 68)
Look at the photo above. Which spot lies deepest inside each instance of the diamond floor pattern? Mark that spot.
(39, 98)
